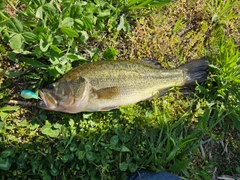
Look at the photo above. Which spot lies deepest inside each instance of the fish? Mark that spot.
(106, 85)
(27, 94)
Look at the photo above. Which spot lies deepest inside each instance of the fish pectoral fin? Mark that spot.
(106, 93)
(158, 94)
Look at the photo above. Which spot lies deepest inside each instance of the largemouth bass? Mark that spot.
(106, 85)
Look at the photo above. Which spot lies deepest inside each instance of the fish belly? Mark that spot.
(127, 95)
(98, 104)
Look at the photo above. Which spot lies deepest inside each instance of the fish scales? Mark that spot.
(106, 85)
(119, 73)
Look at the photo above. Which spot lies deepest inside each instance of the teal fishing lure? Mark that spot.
(27, 94)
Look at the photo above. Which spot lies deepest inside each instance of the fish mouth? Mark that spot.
(49, 100)
(41, 104)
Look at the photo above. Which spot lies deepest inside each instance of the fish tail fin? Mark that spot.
(195, 70)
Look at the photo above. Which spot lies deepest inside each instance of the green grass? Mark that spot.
(195, 136)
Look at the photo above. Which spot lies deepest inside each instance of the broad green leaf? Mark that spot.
(87, 115)
(45, 175)
(125, 149)
(57, 126)
(34, 164)
(49, 131)
(87, 23)
(72, 57)
(44, 45)
(23, 123)
(76, 11)
(67, 157)
(78, 24)
(16, 42)
(57, 40)
(12, 56)
(90, 156)
(104, 14)
(15, 25)
(69, 32)
(88, 146)
(100, 25)
(114, 140)
(54, 171)
(75, 57)
(39, 30)
(59, 69)
(73, 147)
(84, 36)
(46, 126)
(94, 54)
(110, 53)
(21, 162)
(123, 166)
(132, 167)
(7, 152)
(1, 5)
(33, 62)
(29, 36)
(80, 154)
(121, 23)
(9, 108)
(90, 8)
(3, 115)
(71, 123)
(10, 74)
(50, 8)
(124, 137)
(5, 164)
(67, 22)
(56, 49)
(39, 13)
(34, 126)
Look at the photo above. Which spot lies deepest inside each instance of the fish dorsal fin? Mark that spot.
(151, 61)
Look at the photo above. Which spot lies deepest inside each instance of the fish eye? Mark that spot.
(50, 87)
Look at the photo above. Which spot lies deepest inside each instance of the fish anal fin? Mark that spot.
(107, 93)
(158, 94)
